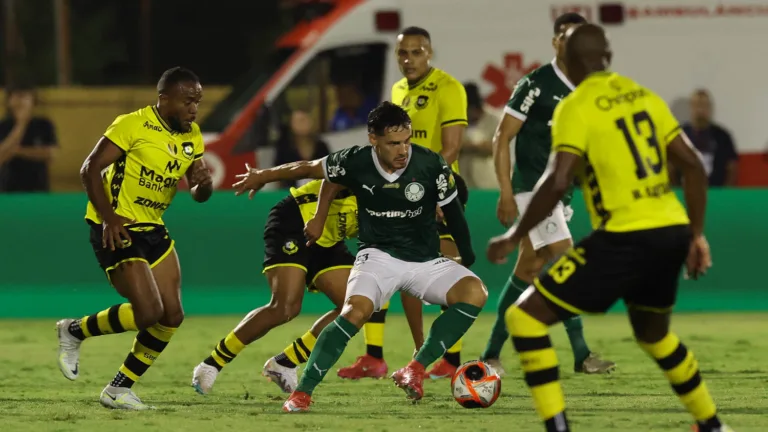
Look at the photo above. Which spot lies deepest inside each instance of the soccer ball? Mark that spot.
(476, 385)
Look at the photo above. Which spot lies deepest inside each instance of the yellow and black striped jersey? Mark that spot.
(142, 183)
(342, 215)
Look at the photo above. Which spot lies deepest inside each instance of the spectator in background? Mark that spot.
(27, 144)
(300, 143)
(353, 107)
(713, 142)
(476, 159)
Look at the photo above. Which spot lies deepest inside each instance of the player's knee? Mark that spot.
(173, 317)
(148, 314)
(357, 310)
(468, 290)
(285, 310)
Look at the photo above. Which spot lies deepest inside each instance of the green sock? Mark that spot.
(328, 348)
(447, 329)
(575, 330)
(509, 295)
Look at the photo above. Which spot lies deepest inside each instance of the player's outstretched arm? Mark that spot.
(200, 181)
(459, 229)
(507, 129)
(255, 179)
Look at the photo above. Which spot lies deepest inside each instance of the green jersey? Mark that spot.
(396, 211)
(533, 101)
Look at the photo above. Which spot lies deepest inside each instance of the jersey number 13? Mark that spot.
(642, 163)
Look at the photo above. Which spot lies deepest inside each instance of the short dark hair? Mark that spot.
(387, 115)
(173, 76)
(568, 18)
(416, 31)
(473, 95)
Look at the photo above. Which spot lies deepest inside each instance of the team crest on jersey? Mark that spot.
(173, 149)
(188, 149)
(414, 191)
(290, 247)
(421, 102)
(406, 101)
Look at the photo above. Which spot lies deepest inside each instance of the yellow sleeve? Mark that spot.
(121, 131)
(569, 130)
(667, 124)
(199, 145)
(452, 104)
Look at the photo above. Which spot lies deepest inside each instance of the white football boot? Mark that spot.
(203, 378)
(122, 398)
(286, 378)
(69, 350)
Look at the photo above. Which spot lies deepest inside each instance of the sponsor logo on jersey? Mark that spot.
(530, 98)
(429, 87)
(605, 103)
(290, 247)
(148, 203)
(172, 166)
(336, 171)
(441, 261)
(442, 186)
(421, 101)
(188, 149)
(414, 191)
(391, 186)
(153, 127)
(151, 180)
(396, 214)
(406, 101)
(419, 134)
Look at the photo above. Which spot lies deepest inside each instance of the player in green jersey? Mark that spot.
(528, 116)
(398, 188)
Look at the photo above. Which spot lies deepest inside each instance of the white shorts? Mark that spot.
(376, 275)
(552, 229)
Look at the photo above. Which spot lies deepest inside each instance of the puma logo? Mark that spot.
(369, 188)
(557, 98)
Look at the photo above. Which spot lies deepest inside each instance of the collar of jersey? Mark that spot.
(390, 177)
(162, 122)
(421, 81)
(561, 75)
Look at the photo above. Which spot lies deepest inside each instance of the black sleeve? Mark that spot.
(457, 226)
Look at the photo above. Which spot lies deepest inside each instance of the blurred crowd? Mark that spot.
(28, 142)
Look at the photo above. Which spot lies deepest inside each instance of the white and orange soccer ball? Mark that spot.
(476, 385)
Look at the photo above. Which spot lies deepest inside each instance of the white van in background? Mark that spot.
(671, 46)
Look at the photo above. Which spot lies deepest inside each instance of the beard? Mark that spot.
(177, 125)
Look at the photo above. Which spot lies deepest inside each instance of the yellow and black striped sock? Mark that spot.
(539, 362)
(116, 319)
(226, 351)
(297, 352)
(147, 346)
(453, 355)
(682, 370)
(373, 333)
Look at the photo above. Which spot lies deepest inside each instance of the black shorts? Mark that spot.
(148, 246)
(640, 267)
(286, 246)
(463, 196)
